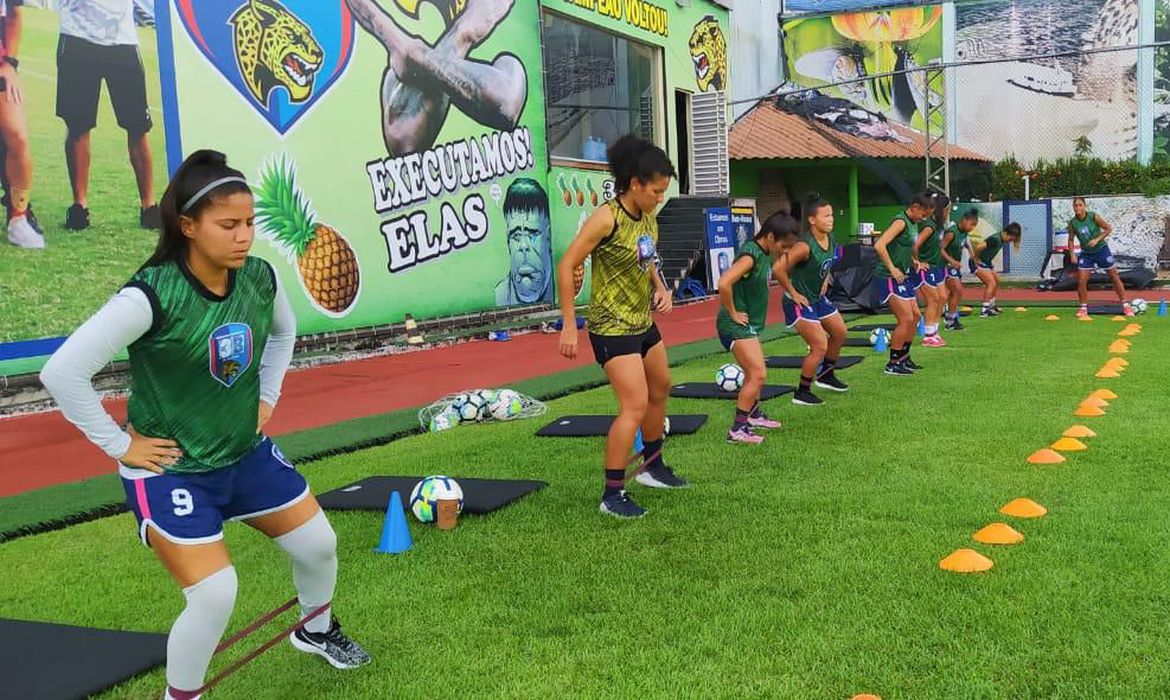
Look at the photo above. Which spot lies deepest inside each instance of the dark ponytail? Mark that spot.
(924, 200)
(813, 202)
(779, 226)
(631, 157)
(941, 202)
(199, 170)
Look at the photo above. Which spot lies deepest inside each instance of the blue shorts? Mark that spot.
(191, 508)
(793, 313)
(954, 273)
(886, 287)
(1101, 259)
(934, 277)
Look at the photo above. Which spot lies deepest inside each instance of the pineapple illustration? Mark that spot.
(325, 262)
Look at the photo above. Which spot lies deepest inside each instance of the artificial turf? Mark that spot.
(802, 568)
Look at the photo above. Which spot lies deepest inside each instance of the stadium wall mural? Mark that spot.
(399, 149)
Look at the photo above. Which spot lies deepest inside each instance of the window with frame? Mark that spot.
(599, 86)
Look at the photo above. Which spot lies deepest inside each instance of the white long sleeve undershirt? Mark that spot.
(126, 317)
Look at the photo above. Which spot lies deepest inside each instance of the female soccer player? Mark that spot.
(803, 273)
(984, 255)
(893, 280)
(953, 242)
(210, 335)
(622, 236)
(1090, 230)
(743, 292)
(928, 253)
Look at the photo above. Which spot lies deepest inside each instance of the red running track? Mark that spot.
(44, 449)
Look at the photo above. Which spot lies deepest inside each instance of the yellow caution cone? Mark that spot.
(965, 561)
(1024, 508)
(1045, 456)
(1079, 431)
(413, 337)
(1068, 444)
(998, 533)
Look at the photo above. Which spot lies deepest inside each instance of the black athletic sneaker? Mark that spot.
(955, 325)
(339, 650)
(806, 398)
(149, 218)
(661, 477)
(620, 505)
(995, 311)
(830, 382)
(77, 218)
(911, 365)
(897, 369)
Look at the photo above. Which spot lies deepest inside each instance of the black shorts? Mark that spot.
(81, 67)
(607, 347)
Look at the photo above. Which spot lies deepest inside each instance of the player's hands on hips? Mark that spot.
(739, 318)
(264, 415)
(12, 94)
(662, 301)
(921, 266)
(798, 298)
(569, 341)
(152, 454)
(898, 276)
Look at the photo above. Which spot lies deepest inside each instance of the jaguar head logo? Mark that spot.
(708, 49)
(274, 48)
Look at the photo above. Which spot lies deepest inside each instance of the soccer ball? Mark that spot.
(488, 396)
(666, 425)
(878, 333)
(729, 377)
(470, 407)
(424, 499)
(444, 420)
(1139, 306)
(506, 406)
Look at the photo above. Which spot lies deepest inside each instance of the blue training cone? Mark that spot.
(395, 533)
(882, 343)
(638, 442)
(921, 325)
(1162, 308)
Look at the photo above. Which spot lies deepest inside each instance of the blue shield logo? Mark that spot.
(280, 55)
(231, 352)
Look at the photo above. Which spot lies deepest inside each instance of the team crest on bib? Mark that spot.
(231, 352)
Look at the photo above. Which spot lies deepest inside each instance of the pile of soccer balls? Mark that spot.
(478, 406)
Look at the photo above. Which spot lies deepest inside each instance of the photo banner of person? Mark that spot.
(80, 193)
(824, 50)
(396, 147)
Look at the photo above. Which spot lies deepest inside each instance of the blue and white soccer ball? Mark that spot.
(488, 395)
(424, 499)
(1139, 306)
(470, 407)
(878, 333)
(444, 420)
(506, 406)
(729, 377)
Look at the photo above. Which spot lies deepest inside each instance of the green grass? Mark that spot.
(49, 292)
(803, 568)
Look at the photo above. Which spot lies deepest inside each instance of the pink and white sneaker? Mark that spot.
(1083, 311)
(764, 422)
(1127, 309)
(933, 341)
(744, 435)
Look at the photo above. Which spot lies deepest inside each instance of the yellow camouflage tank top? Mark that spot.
(621, 288)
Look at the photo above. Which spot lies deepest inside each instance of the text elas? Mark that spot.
(412, 237)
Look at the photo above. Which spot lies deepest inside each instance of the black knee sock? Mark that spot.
(805, 382)
(741, 418)
(652, 453)
(906, 351)
(896, 355)
(827, 367)
(615, 480)
(755, 412)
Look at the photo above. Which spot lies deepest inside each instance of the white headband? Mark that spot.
(209, 187)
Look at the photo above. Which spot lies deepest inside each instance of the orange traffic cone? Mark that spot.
(1024, 508)
(1094, 401)
(1045, 456)
(965, 561)
(1069, 444)
(1079, 431)
(998, 533)
(1105, 394)
(1088, 411)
